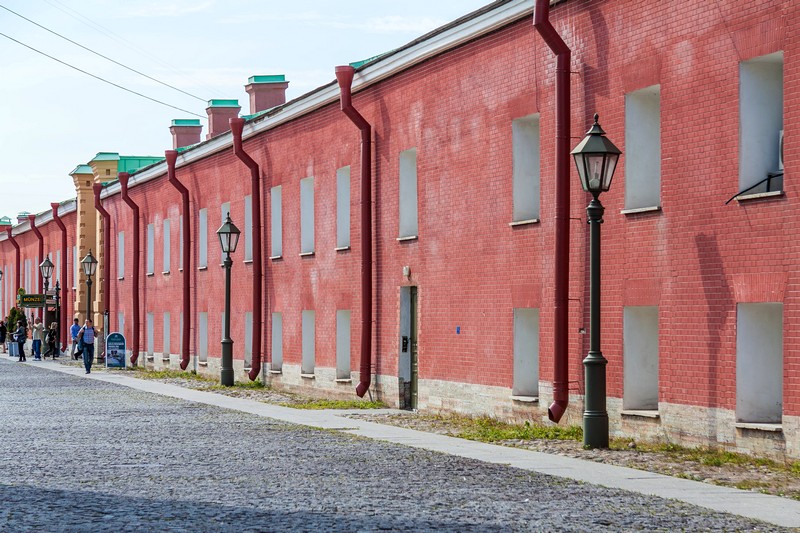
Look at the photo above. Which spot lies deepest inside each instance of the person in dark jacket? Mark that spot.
(51, 340)
(3, 334)
(20, 336)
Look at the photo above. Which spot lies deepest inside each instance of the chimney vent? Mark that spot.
(266, 92)
(185, 132)
(219, 113)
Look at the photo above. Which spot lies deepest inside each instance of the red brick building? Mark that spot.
(700, 296)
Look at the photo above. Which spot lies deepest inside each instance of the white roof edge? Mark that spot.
(380, 70)
(42, 218)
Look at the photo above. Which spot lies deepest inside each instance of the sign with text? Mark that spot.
(31, 300)
(115, 351)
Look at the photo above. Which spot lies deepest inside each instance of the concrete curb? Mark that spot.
(772, 509)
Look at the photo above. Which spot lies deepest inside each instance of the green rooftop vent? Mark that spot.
(81, 169)
(274, 78)
(223, 103)
(193, 122)
(5, 221)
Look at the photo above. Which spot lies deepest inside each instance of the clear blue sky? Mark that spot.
(53, 118)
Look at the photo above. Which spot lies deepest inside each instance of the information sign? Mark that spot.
(115, 351)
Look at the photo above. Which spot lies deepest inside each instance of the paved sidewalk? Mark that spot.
(772, 509)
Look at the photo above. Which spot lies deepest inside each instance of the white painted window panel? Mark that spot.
(759, 363)
(526, 153)
(526, 352)
(640, 358)
(202, 238)
(167, 245)
(343, 344)
(120, 255)
(151, 252)
(408, 194)
(307, 215)
(248, 228)
(343, 207)
(309, 342)
(276, 218)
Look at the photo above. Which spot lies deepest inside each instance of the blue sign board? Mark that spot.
(115, 351)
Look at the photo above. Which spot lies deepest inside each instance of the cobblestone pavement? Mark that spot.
(82, 455)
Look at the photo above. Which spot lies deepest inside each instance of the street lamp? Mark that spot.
(228, 239)
(89, 265)
(46, 269)
(596, 158)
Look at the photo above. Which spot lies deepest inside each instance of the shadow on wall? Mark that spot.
(719, 300)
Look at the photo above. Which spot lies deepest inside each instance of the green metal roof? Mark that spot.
(187, 122)
(357, 64)
(106, 156)
(5, 221)
(273, 78)
(131, 163)
(254, 115)
(81, 169)
(223, 103)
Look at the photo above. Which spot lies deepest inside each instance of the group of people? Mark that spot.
(82, 340)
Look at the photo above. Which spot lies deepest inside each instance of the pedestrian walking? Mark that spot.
(86, 337)
(52, 340)
(20, 336)
(3, 334)
(73, 332)
(37, 334)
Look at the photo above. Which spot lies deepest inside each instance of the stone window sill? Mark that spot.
(408, 238)
(641, 413)
(202, 363)
(523, 222)
(275, 257)
(341, 248)
(202, 268)
(344, 380)
(306, 254)
(525, 399)
(308, 376)
(150, 274)
(758, 196)
(165, 359)
(247, 261)
(638, 210)
(773, 428)
(165, 273)
(275, 371)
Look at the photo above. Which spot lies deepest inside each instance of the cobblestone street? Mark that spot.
(83, 455)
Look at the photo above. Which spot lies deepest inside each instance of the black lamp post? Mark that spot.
(228, 238)
(596, 158)
(46, 269)
(89, 265)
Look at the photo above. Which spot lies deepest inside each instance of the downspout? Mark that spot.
(541, 21)
(123, 181)
(237, 125)
(172, 156)
(344, 75)
(15, 244)
(97, 188)
(32, 221)
(63, 318)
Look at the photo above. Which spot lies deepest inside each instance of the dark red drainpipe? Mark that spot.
(172, 156)
(97, 188)
(32, 221)
(237, 125)
(63, 318)
(123, 181)
(344, 75)
(541, 21)
(15, 244)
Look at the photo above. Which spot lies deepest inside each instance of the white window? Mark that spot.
(225, 210)
(121, 323)
(343, 344)
(526, 352)
(28, 276)
(74, 267)
(248, 339)
(526, 153)
(167, 244)
(248, 228)
(277, 342)
(202, 239)
(408, 194)
(180, 332)
(643, 148)
(202, 337)
(120, 255)
(761, 124)
(277, 222)
(57, 273)
(759, 363)
(181, 243)
(167, 336)
(151, 326)
(343, 207)
(640, 358)
(309, 342)
(307, 216)
(151, 253)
